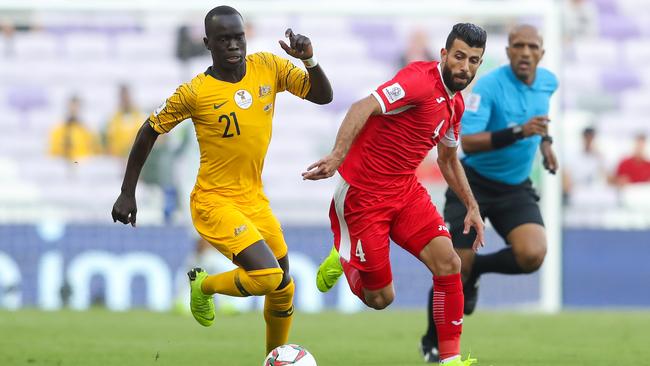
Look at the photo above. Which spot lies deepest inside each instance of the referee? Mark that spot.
(504, 124)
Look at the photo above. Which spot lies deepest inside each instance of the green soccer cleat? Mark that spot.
(457, 362)
(329, 271)
(201, 305)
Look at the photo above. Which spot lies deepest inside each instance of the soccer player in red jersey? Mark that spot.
(382, 140)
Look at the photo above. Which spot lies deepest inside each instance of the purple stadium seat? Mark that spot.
(616, 80)
(617, 26)
(606, 6)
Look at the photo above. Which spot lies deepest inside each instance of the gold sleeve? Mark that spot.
(177, 108)
(291, 78)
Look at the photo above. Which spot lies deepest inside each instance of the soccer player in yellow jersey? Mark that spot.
(231, 105)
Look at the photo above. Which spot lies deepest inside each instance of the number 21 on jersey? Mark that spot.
(227, 132)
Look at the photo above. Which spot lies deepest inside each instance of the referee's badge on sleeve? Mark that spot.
(394, 93)
(472, 102)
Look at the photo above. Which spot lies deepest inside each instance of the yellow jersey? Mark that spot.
(233, 123)
(121, 132)
(73, 141)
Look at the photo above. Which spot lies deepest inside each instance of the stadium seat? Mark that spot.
(636, 197)
(600, 51)
(87, 46)
(153, 46)
(36, 45)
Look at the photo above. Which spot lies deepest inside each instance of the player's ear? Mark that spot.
(205, 42)
(443, 54)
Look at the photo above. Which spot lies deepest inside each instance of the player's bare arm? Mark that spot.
(352, 124)
(125, 207)
(300, 47)
(493, 140)
(454, 174)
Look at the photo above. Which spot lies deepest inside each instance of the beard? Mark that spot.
(452, 85)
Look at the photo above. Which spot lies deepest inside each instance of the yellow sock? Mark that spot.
(278, 314)
(241, 283)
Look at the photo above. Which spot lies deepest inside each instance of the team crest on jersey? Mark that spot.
(243, 98)
(472, 102)
(394, 93)
(264, 90)
(157, 111)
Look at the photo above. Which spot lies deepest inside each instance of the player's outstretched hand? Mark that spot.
(324, 168)
(550, 161)
(125, 209)
(536, 126)
(473, 220)
(299, 46)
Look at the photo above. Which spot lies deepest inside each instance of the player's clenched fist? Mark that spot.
(125, 209)
(299, 46)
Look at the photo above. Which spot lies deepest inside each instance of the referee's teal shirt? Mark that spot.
(499, 100)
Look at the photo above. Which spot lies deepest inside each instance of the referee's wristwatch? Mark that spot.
(518, 131)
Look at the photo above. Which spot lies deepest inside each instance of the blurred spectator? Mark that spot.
(158, 170)
(586, 167)
(205, 257)
(124, 125)
(188, 45)
(580, 19)
(636, 168)
(71, 139)
(417, 49)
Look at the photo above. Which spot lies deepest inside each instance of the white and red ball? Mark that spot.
(290, 354)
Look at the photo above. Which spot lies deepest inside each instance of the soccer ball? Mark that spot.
(290, 354)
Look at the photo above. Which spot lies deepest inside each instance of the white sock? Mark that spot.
(449, 359)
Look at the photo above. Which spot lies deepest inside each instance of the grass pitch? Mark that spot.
(373, 338)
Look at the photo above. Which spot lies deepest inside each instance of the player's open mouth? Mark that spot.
(233, 59)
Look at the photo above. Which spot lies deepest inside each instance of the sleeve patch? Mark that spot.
(157, 111)
(472, 102)
(394, 93)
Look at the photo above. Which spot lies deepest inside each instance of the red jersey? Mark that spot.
(418, 112)
(636, 171)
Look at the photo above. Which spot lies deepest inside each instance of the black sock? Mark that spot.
(431, 334)
(502, 261)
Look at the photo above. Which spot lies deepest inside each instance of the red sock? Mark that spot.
(354, 279)
(448, 313)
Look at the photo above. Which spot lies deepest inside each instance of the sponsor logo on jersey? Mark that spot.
(243, 98)
(268, 107)
(394, 93)
(217, 106)
(457, 322)
(440, 100)
(240, 229)
(160, 108)
(264, 90)
(472, 102)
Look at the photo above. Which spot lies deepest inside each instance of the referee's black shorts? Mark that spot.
(506, 206)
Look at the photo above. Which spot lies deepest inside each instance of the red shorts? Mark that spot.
(363, 221)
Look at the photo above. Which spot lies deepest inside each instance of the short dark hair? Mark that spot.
(469, 33)
(220, 10)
